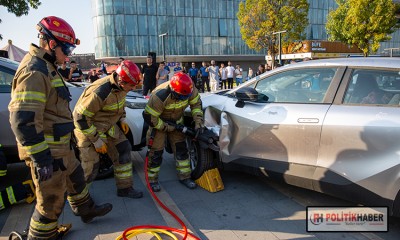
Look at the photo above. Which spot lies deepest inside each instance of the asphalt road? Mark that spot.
(248, 208)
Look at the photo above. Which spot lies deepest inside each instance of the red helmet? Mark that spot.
(129, 72)
(57, 28)
(181, 84)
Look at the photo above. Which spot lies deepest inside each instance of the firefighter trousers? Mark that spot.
(118, 149)
(67, 178)
(179, 148)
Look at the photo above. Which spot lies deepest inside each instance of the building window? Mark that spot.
(223, 32)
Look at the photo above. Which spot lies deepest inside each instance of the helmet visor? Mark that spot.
(66, 48)
(180, 96)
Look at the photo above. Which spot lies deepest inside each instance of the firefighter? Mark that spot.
(100, 125)
(17, 192)
(42, 123)
(167, 104)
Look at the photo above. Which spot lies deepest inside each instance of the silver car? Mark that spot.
(331, 126)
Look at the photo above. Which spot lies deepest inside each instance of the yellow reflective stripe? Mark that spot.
(89, 131)
(194, 100)
(159, 124)
(82, 110)
(184, 170)
(102, 135)
(63, 140)
(3, 172)
(150, 174)
(156, 169)
(79, 196)
(181, 104)
(1, 203)
(10, 194)
(29, 95)
(36, 148)
(57, 83)
(111, 131)
(123, 175)
(123, 167)
(197, 110)
(183, 163)
(43, 226)
(115, 106)
(152, 111)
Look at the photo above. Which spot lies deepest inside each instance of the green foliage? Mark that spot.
(259, 19)
(363, 23)
(19, 7)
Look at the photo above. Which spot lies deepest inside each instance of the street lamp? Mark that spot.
(280, 45)
(163, 43)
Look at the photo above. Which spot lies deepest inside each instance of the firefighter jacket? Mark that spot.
(39, 108)
(99, 108)
(163, 106)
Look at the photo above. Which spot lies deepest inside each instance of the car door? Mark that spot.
(281, 135)
(359, 141)
(6, 135)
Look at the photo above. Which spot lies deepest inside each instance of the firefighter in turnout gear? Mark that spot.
(42, 123)
(167, 104)
(17, 192)
(99, 118)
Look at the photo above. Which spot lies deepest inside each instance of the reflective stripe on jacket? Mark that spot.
(162, 105)
(39, 106)
(99, 108)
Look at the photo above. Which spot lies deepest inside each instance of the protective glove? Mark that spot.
(100, 146)
(44, 173)
(199, 128)
(169, 128)
(181, 128)
(124, 125)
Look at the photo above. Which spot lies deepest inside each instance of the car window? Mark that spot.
(6, 77)
(298, 86)
(376, 87)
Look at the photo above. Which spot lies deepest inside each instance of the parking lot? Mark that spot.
(248, 208)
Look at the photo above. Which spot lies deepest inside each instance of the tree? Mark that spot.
(260, 19)
(363, 23)
(19, 7)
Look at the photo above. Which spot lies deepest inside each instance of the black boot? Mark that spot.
(129, 192)
(189, 183)
(155, 186)
(96, 211)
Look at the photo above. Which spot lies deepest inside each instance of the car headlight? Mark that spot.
(136, 105)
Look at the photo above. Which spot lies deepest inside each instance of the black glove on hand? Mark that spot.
(181, 128)
(44, 173)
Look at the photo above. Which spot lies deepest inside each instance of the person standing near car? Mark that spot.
(205, 80)
(167, 104)
(193, 72)
(149, 72)
(42, 123)
(213, 72)
(64, 71)
(100, 126)
(230, 74)
(162, 74)
(238, 74)
(75, 73)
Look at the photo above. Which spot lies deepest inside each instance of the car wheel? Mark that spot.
(201, 159)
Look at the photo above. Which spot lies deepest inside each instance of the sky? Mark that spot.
(22, 30)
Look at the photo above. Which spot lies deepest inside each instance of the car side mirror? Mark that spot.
(245, 94)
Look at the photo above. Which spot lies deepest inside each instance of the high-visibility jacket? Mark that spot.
(163, 106)
(99, 108)
(39, 108)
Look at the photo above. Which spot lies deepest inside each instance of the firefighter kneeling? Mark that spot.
(97, 114)
(168, 103)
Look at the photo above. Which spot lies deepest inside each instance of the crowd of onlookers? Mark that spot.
(208, 77)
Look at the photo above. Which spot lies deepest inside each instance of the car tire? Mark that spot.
(201, 159)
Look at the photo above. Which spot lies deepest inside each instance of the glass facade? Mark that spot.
(194, 27)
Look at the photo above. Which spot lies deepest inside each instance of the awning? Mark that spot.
(14, 53)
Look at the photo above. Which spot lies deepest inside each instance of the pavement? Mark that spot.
(246, 209)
